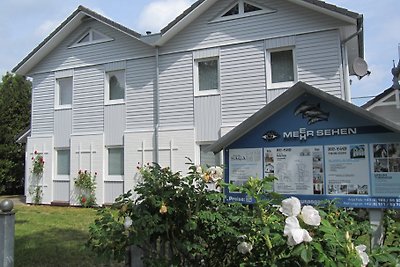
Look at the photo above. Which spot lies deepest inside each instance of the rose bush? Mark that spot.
(176, 221)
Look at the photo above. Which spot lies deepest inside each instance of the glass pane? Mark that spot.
(65, 91)
(282, 66)
(208, 158)
(96, 36)
(115, 161)
(117, 85)
(208, 74)
(84, 39)
(63, 162)
(250, 8)
(233, 11)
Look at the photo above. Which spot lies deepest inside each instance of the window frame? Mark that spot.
(107, 100)
(219, 155)
(286, 84)
(242, 14)
(197, 91)
(57, 94)
(91, 41)
(114, 177)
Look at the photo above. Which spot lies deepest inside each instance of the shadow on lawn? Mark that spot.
(55, 247)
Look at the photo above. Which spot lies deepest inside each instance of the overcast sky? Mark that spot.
(25, 23)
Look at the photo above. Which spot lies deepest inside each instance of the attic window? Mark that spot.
(243, 8)
(91, 37)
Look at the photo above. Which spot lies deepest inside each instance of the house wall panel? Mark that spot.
(61, 191)
(140, 77)
(176, 90)
(88, 103)
(112, 189)
(114, 124)
(207, 117)
(289, 19)
(122, 47)
(43, 104)
(242, 81)
(62, 127)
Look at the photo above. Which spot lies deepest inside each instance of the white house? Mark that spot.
(106, 98)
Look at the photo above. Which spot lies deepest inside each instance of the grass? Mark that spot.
(53, 236)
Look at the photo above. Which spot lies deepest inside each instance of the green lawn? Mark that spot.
(53, 236)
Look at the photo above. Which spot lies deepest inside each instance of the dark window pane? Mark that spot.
(250, 8)
(282, 66)
(115, 161)
(208, 75)
(233, 11)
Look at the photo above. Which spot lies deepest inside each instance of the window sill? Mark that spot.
(281, 85)
(114, 102)
(63, 107)
(207, 93)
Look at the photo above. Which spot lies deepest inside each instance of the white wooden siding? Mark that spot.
(140, 76)
(43, 104)
(88, 102)
(62, 127)
(112, 189)
(242, 81)
(207, 110)
(318, 61)
(289, 19)
(114, 124)
(61, 191)
(121, 48)
(176, 90)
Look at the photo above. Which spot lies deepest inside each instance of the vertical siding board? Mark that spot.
(318, 61)
(88, 102)
(176, 90)
(112, 189)
(140, 76)
(289, 19)
(114, 124)
(121, 48)
(242, 81)
(43, 104)
(61, 191)
(62, 127)
(207, 117)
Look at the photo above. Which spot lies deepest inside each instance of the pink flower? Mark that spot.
(83, 200)
(35, 152)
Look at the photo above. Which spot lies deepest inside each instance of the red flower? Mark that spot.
(35, 152)
(83, 200)
(85, 171)
(32, 158)
(95, 173)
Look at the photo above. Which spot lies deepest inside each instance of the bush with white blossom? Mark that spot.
(177, 221)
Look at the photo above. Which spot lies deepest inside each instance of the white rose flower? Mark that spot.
(199, 170)
(127, 222)
(290, 206)
(363, 255)
(310, 216)
(244, 247)
(294, 232)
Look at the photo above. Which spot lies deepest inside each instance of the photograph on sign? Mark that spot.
(385, 160)
(347, 169)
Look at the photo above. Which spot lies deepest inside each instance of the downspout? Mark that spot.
(157, 110)
(345, 63)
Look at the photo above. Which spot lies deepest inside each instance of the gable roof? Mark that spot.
(65, 28)
(378, 98)
(198, 7)
(283, 100)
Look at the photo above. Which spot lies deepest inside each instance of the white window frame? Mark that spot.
(91, 41)
(268, 68)
(62, 177)
(107, 100)
(57, 104)
(241, 13)
(116, 178)
(197, 91)
(205, 143)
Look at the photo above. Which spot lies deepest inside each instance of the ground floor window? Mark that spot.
(116, 161)
(63, 162)
(208, 158)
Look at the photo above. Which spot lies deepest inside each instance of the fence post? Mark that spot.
(7, 230)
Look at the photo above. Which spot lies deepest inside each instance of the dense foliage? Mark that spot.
(86, 185)
(15, 110)
(176, 221)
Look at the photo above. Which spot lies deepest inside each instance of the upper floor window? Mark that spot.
(91, 37)
(281, 68)
(207, 76)
(64, 88)
(243, 8)
(115, 87)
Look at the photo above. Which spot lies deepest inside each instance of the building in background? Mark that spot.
(107, 99)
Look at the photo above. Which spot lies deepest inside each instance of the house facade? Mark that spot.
(107, 99)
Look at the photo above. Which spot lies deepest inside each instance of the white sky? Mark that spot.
(25, 23)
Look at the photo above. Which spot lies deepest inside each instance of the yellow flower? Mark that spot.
(163, 208)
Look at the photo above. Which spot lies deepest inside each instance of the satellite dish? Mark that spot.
(360, 67)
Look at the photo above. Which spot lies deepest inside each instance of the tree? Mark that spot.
(15, 113)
